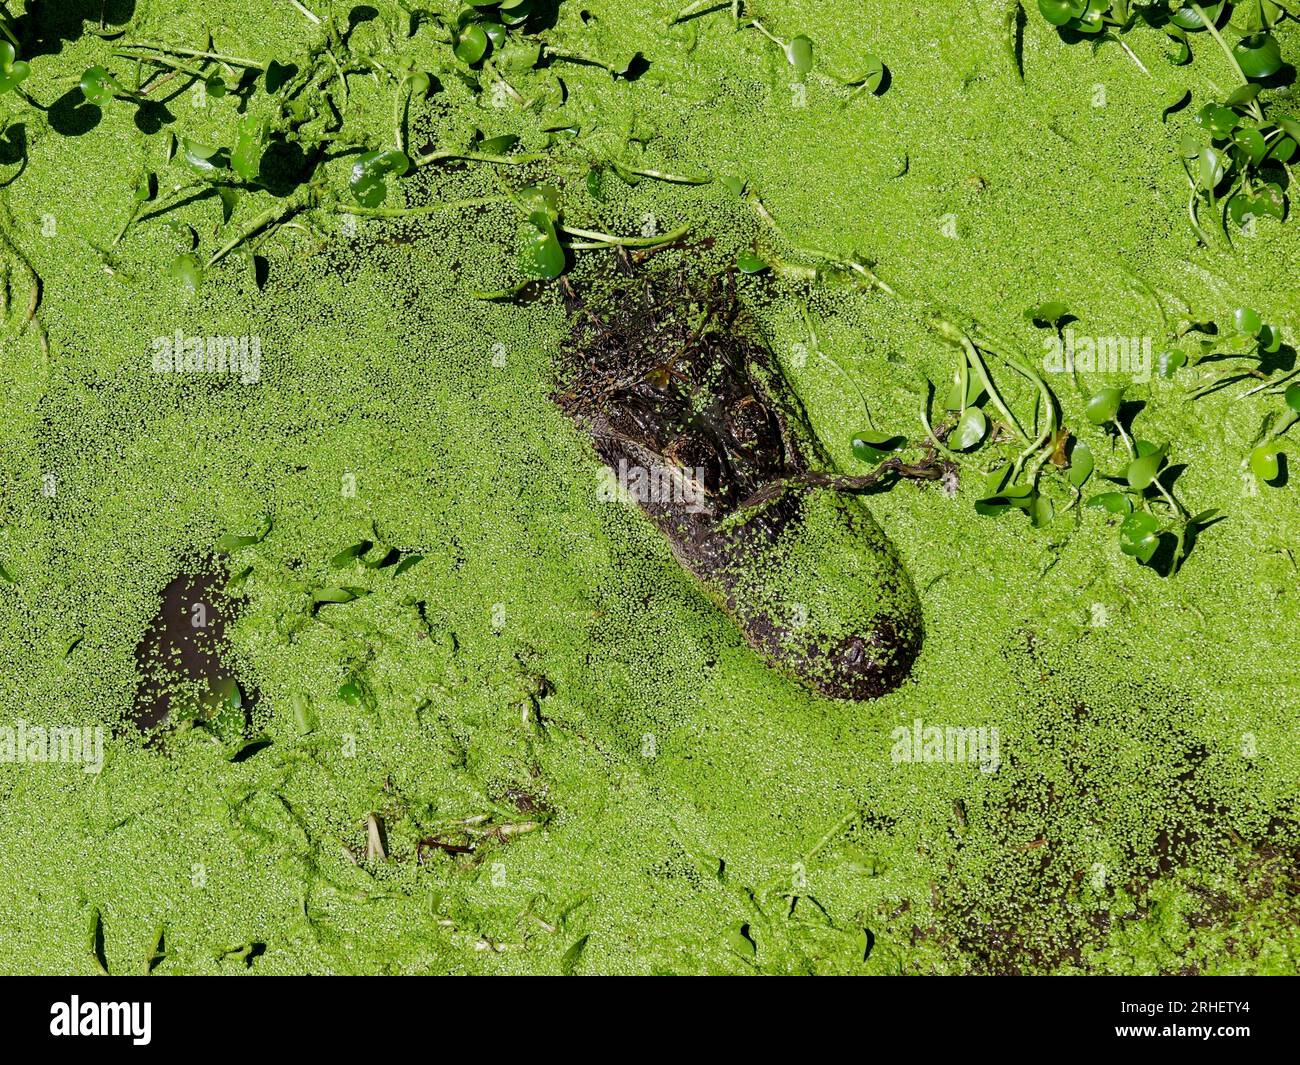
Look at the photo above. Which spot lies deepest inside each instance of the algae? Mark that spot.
(688, 809)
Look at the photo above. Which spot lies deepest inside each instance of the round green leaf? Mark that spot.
(543, 255)
(970, 430)
(1114, 502)
(1060, 12)
(1293, 397)
(368, 172)
(875, 448)
(1082, 464)
(1259, 55)
(1049, 313)
(800, 54)
(97, 86)
(1142, 471)
(1252, 142)
(1211, 166)
(473, 44)
(1169, 362)
(188, 271)
(749, 263)
(1103, 407)
(1264, 462)
(1139, 535)
(1187, 18)
(1248, 321)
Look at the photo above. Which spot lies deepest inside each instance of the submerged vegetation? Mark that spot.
(457, 713)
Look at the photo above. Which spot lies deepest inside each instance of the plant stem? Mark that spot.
(314, 19)
(194, 53)
(1218, 37)
(607, 240)
(477, 157)
(276, 213)
(977, 363)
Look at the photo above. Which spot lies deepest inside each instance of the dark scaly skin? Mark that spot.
(667, 379)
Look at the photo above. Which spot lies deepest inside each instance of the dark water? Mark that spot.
(182, 662)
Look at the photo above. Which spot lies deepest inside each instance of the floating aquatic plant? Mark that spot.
(1237, 157)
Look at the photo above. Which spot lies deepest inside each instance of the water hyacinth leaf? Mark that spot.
(497, 145)
(573, 955)
(1259, 55)
(188, 271)
(544, 198)
(1049, 313)
(1041, 511)
(1082, 463)
(1104, 406)
(1252, 16)
(229, 201)
(1283, 150)
(1142, 471)
(542, 257)
(1217, 119)
(1293, 397)
(234, 541)
(1188, 18)
(1264, 461)
(1211, 166)
(407, 563)
(1248, 321)
(1060, 12)
(739, 940)
(1289, 125)
(1270, 340)
(246, 158)
(1252, 142)
(874, 448)
(368, 172)
(733, 184)
(799, 52)
(350, 554)
(970, 430)
(871, 77)
(200, 156)
(1169, 362)
(338, 594)
(472, 45)
(13, 71)
(98, 86)
(958, 400)
(747, 262)
(1139, 536)
(1114, 502)
(1242, 95)
(1000, 500)
(304, 718)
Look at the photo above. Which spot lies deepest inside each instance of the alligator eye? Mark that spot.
(696, 452)
(752, 426)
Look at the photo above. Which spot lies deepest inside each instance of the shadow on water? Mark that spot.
(47, 24)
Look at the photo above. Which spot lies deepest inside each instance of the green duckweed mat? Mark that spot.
(539, 748)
